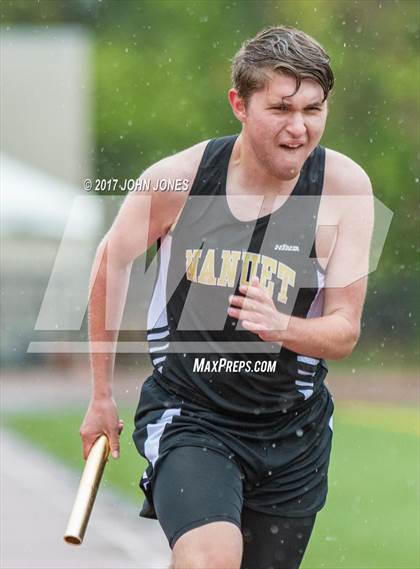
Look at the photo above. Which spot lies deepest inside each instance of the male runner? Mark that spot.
(256, 267)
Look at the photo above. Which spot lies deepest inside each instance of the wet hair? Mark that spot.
(282, 50)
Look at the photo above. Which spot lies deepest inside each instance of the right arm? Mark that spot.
(143, 218)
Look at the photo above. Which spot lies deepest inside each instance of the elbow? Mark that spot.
(344, 349)
(111, 253)
(101, 250)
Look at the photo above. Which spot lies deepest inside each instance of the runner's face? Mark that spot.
(274, 122)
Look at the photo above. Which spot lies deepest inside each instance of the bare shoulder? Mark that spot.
(178, 170)
(343, 176)
(182, 165)
(147, 215)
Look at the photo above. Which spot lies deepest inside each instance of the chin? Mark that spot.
(288, 174)
(289, 171)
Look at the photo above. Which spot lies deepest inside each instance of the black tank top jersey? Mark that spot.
(203, 260)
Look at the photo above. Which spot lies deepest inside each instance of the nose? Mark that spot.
(296, 125)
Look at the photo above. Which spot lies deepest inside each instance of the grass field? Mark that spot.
(371, 520)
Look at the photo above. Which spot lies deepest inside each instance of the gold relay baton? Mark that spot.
(86, 493)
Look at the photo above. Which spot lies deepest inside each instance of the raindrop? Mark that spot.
(247, 535)
(274, 529)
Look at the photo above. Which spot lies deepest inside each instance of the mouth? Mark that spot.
(291, 147)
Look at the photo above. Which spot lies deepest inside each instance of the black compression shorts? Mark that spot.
(194, 487)
(204, 466)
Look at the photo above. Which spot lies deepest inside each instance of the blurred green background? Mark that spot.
(161, 74)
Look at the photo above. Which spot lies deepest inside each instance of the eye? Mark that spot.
(281, 108)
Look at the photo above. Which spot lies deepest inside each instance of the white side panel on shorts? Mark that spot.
(155, 432)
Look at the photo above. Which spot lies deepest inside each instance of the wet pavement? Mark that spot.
(37, 493)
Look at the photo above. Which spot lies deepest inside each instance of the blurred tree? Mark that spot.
(162, 73)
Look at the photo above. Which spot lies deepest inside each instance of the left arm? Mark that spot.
(331, 336)
(334, 334)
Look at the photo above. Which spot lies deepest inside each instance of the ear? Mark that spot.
(238, 105)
